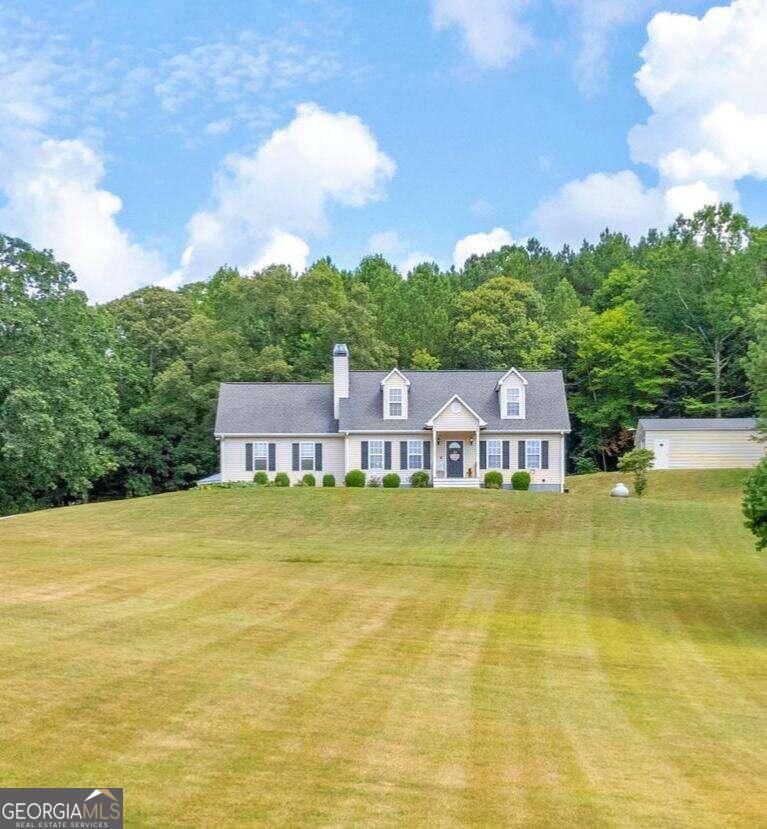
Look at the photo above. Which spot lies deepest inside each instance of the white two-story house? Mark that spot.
(455, 425)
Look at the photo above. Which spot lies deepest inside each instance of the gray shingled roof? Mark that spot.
(681, 424)
(275, 408)
(546, 402)
(281, 408)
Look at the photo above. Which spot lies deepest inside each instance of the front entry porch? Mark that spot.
(455, 458)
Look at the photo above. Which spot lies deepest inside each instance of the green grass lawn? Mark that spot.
(369, 657)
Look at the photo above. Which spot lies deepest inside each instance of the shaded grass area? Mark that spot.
(349, 657)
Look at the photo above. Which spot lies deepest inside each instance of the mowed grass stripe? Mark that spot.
(368, 657)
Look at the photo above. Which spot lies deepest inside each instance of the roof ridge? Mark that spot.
(276, 383)
(455, 371)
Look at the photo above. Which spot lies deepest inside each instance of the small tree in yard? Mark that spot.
(639, 462)
(755, 504)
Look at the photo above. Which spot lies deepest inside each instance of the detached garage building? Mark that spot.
(701, 443)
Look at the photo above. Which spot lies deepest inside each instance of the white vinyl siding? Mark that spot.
(455, 416)
(261, 456)
(376, 454)
(708, 448)
(233, 456)
(494, 454)
(415, 454)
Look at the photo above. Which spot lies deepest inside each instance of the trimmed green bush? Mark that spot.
(328, 480)
(493, 479)
(755, 504)
(261, 478)
(419, 479)
(391, 480)
(309, 480)
(281, 479)
(520, 481)
(355, 478)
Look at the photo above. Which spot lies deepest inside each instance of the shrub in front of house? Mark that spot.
(355, 478)
(309, 480)
(374, 481)
(328, 480)
(281, 479)
(261, 478)
(520, 481)
(419, 479)
(755, 504)
(493, 479)
(391, 481)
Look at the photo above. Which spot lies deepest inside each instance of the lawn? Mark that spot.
(367, 657)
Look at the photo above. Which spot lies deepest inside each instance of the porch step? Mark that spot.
(452, 483)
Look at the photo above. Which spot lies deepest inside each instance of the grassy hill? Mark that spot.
(346, 657)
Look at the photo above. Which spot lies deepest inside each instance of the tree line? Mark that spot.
(119, 400)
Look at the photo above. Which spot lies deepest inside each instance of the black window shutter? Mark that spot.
(521, 455)
(364, 448)
(318, 457)
(248, 457)
(506, 458)
(483, 454)
(403, 454)
(544, 454)
(295, 457)
(387, 454)
(427, 454)
(272, 457)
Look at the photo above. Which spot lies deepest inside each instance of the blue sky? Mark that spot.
(150, 142)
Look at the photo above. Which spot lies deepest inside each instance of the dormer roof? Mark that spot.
(506, 376)
(395, 372)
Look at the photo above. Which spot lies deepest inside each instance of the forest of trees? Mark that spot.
(119, 400)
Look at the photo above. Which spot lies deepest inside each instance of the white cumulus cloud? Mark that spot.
(285, 187)
(53, 190)
(477, 244)
(55, 200)
(703, 77)
(492, 31)
(283, 249)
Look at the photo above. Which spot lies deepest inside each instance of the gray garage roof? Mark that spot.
(710, 424)
(275, 408)
(307, 408)
(545, 400)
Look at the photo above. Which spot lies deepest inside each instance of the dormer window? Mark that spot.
(512, 402)
(511, 395)
(395, 402)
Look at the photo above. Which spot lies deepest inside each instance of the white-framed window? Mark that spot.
(415, 454)
(261, 456)
(376, 454)
(307, 457)
(494, 456)
(532, 454)
(395, 402)
(512, 402)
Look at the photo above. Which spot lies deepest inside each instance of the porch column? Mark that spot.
(433, 454)
(476, 455)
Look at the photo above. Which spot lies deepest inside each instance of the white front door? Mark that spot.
(660, 448)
